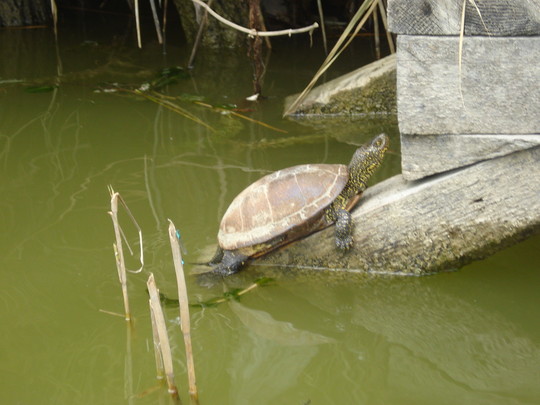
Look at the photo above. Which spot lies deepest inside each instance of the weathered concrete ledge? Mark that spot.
(439, 223)
(369, 89)
(456, 151)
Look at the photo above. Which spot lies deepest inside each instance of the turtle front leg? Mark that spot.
(344, 227)
(230, 263)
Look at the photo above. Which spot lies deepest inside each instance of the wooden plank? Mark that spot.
(423, 155)
(482, 17)
(496, 91)
(439, 223)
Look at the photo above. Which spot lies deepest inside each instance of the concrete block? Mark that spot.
(482, 17)
(496, 90)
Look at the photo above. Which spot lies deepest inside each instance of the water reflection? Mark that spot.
(438, 347)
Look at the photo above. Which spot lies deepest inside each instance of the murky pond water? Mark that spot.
(468, 337)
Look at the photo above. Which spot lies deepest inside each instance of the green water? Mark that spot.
(468, 337)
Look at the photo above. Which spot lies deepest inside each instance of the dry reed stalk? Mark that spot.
(173, 107)
(356, 23)
(138, 24)
(54, 12)
(386, 29)
(184, 311)
(323, 27)
(159, 329)
(198, 38)
(119, 254)
(160, 369)
(156, 21)
(164, 25)
(119, 250)
(376, 34)
(128, 363)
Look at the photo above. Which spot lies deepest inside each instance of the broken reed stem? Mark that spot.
(184, 311)
(159, 329)
(119, 254)
(160, 368)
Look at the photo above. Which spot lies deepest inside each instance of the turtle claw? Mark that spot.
(344, 243)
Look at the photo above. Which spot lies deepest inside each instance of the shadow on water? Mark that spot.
(466, 337)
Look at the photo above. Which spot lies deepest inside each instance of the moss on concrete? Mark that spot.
(378, 96)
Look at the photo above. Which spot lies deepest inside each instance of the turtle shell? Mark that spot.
(280, 201)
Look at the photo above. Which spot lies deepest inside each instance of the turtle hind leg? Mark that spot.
(344, 228)
(217, 258)
(231, 262)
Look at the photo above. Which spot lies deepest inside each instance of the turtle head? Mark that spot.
(366, 160)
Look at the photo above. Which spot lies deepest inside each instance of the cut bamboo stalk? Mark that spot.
(163, 347)
(184, 311)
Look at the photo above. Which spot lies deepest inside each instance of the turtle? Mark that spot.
(292, 203)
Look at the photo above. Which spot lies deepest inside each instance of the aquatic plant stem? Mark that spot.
(184, 311)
